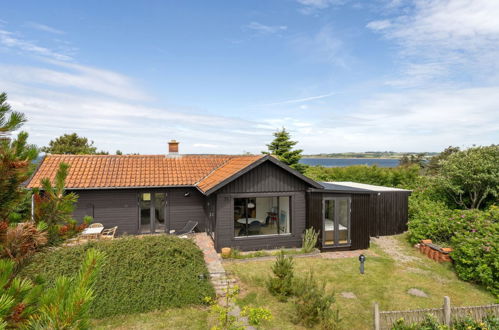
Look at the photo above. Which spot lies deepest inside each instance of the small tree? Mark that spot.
(53, 205)
(9, 120)
(312, 304)
(471, 176)
(281, 284)
(65, 305)
(72, 144)
(16, 157)
(282, 148)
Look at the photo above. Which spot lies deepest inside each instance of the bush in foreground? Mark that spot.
(140, 274)
(26, 305)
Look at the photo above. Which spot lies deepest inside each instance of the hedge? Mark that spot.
(140, 274)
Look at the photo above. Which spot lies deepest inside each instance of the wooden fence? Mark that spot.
(383, 320)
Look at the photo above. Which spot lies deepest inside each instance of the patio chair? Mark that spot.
(95, 225)
(188, 228)
(108, 233)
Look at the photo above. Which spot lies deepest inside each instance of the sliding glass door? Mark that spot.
(152, 214)
(336, 221)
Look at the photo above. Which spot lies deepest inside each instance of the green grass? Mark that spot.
(189, 318)
(386, 281)
(139, 274)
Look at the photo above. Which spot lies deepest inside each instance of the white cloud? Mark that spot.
(379, 25)
(266, 29)
(458, 37)
(301, 100)
(325, 46)
(313, 6)
(44, 28)
(11, 41)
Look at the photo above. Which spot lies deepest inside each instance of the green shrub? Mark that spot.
(476, 248)
(309, 240)
(281, 284)
(140, 274)
(256, 315)
(312, 305)
(429, 219)
(431, 323)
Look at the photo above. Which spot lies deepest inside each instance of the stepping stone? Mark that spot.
(348, 295)
(417, 293)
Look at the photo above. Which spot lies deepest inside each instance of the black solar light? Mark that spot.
(362, 258)
(201, 276)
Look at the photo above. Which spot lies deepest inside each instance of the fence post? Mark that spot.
(376, 316)
(447, 311)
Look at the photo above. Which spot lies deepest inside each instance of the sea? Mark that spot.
(343, 162)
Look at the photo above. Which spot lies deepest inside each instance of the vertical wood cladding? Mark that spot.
(109, 207)
(391, 213)
(372, 214)
(119, 207)
(266, 177)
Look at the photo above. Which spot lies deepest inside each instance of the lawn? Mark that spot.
(385, 281)
(177, 318)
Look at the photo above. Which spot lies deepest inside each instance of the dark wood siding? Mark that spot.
(182, 209)
(266, 177)
(119, 207)
(109, 207)
(372, 214)
(390, 213)
(225, 224)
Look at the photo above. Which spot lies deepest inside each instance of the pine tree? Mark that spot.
(282, 148)
(281, 284)
(16, 157)
(14, 121)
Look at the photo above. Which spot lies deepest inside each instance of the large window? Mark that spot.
(336, 221)
(262, 216)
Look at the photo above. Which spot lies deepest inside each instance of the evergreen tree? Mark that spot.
(16, 157)
(9, 120)
(282, 148)
(72, 144)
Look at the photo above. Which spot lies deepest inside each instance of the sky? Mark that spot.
(223, 76)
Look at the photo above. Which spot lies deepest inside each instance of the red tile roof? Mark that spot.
(105, 171)
(228, 169)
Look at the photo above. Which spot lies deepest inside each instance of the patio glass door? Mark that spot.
(336, 221)
(152, 212)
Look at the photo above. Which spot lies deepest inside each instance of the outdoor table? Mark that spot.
(95, 231)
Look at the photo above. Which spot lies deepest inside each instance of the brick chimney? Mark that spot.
(173, 147)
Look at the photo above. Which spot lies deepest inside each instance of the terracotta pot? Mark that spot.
(226, 251)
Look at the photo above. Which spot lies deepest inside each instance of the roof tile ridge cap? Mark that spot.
(212, 171)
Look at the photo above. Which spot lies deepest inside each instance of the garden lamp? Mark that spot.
(362, 258)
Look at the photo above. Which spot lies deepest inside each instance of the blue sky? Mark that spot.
(221, 76)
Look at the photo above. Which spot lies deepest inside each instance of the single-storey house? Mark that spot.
(248, 202)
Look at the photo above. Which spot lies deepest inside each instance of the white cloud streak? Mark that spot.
(11, 41)
(266, 29)
(44, 28)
